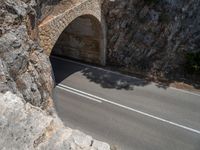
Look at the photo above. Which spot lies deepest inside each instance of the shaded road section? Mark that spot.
(127, 112)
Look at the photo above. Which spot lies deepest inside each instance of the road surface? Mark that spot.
(127, 112)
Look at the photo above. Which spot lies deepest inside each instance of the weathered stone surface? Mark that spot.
(27, 117)
(81, 40)
(23, 126)
(28, 78)
(152, 36)
(20, 123)
(51, 27)
(18, 7)
(148, 36)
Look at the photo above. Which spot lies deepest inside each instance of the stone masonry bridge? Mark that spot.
(75, 29)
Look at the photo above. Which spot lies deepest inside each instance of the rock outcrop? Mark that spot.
(25, 70)
(27, 117)
(148, 36)
(26, 127)
(152, 36)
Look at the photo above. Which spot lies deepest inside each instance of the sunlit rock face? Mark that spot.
(27, 116)
(25, 69)
(148, 36)
(23, 126)
(152, 36)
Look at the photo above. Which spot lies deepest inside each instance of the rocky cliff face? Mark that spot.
(148, 36)
(25, 70)
(26, 127)
(27, 117)
(152, 36)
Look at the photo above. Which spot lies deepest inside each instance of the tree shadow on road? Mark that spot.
(104, 78)
(108, 79)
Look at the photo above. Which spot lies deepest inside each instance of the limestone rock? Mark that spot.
(152, 36)
(20, 124)
(19, 7)
(26, 86)
(23, 126)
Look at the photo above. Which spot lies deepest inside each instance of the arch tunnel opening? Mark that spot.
(82, 40)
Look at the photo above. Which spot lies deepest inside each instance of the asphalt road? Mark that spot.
(127, 112)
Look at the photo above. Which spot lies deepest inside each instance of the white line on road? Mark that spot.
(99, 99)
(184, 91)
(118, 73)
(93, 99)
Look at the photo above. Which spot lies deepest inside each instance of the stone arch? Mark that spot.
(54, 25)
(82, 39)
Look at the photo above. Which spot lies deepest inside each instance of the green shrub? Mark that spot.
(193, 63)
(164, 18)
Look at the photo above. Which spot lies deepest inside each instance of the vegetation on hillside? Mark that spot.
(192, 65)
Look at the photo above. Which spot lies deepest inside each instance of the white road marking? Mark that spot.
(184, 91)
(96, 98)
(93, 99)
(118, 73)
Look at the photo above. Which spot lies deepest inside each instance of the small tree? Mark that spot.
(193, 63)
